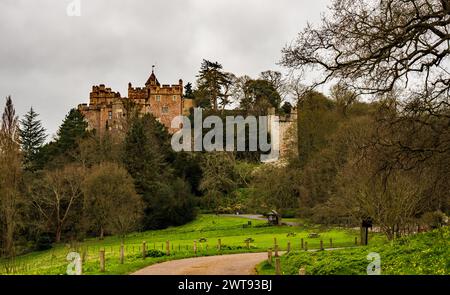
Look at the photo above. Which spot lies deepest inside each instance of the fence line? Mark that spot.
(100, 255)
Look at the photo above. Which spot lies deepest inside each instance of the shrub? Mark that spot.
(154, 253)
(249, 240)
(289, 213)
(44, 242)
(433, 219)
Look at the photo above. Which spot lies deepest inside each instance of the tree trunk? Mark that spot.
(102, 233)
(58, 234)
(9, 234)
(8, 240)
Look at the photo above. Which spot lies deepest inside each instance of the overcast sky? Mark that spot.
(50, 61)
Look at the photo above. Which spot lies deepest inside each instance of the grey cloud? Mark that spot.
(50, 61)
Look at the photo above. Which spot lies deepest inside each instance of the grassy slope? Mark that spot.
(427, 253)
(229, 229)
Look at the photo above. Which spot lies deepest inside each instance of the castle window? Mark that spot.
(165, 110)
(110, 115)
(158, 98)
(174, 98)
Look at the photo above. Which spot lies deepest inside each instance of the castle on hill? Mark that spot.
(106, 109)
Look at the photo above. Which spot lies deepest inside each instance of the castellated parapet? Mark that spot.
(106, 110)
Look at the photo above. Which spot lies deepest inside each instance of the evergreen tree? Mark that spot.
(211, 79)
(146, 165)
(64, 148)
(259, 96)
(32, 135)
(9, 120)
(148, 161)
(188, 91)
(72, 129)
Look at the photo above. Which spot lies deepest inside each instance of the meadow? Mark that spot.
(420, 254)
(206, 230)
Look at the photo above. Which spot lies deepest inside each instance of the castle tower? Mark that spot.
(152, 81)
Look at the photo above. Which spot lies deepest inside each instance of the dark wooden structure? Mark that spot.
(365, 225)
(273, 218)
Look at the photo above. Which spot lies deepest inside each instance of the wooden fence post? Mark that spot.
(277, 266)
(122, 253)
(306, 246)
(276, 250)
(302, 243)
(102, 260)
(321, 245)
(144, 248)
(195, 247)
(83, 258)
(288, 247)
(274, 241)
(269, 256)
(219, 244)
(167, 248)
(247, 244)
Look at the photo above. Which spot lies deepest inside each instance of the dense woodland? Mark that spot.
(371, 148)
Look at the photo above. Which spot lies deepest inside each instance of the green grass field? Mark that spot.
(233, 231)
(421, 254)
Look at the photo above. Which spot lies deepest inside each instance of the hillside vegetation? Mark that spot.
(206, 230)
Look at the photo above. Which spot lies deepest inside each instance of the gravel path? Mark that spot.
(234, 264)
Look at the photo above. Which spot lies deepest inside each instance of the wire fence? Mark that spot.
(56, 261)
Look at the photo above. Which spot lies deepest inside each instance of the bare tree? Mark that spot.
(277, 80)
(226, 98)
(397, 52)
(238, 90)
(296, 88)
(58, 197)
(343, 98)
(374, 46)
(11, 175)
(393, 205)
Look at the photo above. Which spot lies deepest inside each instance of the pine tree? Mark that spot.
(9, 120)
(211, 79)
(188, 91)
(32, 135)
(166, 198)
(63, 149)
(144, 161)
(72, 129)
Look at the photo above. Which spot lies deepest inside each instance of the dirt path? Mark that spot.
(234, 264)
